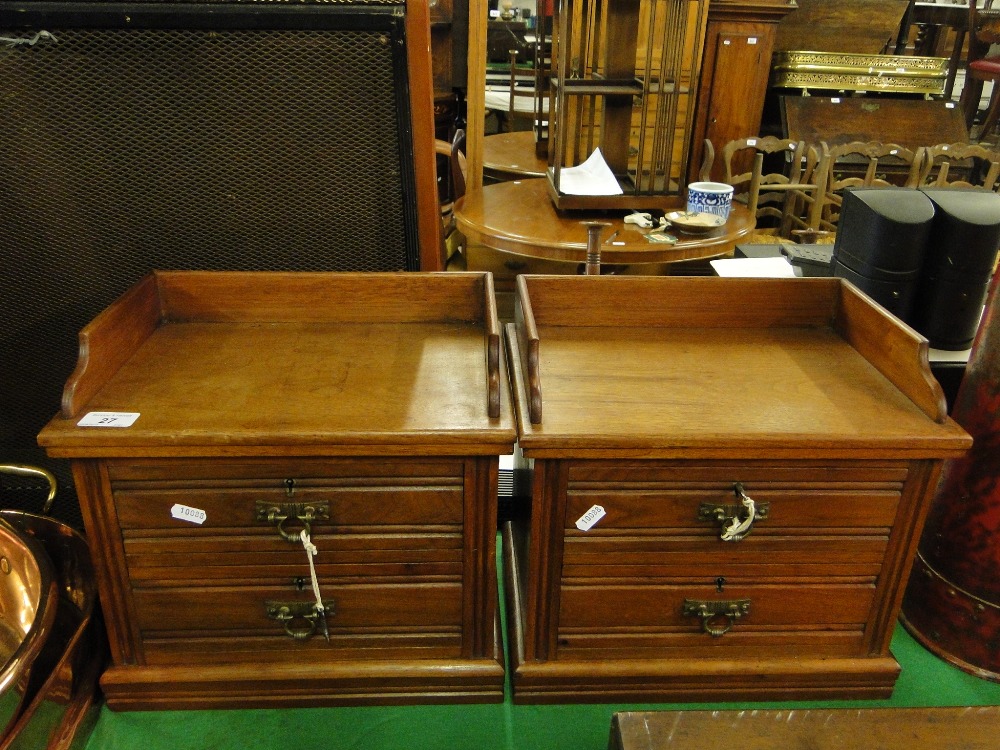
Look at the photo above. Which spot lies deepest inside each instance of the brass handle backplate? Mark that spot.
(300, 619)
(280, 514)
(717, 617)
(737, 520)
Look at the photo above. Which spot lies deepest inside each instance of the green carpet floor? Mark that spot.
(925, 681)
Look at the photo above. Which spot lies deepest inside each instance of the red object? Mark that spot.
(952, 602)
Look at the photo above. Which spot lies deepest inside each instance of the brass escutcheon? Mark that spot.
(300, 619)
(736, 520)
(717, 617)
(281, 513)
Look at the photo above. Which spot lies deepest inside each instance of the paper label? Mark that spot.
(187, 513)
(108, 419)
(587, 521)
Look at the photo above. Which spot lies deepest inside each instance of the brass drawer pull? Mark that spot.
(281, 513)
(34, 471)
(305, 614)
(717, 617)
(737, 520)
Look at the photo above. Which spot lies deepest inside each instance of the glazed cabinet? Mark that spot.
(300, 506)
(729, 479)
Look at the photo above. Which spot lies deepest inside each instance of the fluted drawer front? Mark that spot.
(772, 607)
(236, 610)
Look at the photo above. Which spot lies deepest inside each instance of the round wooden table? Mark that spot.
(508, 156)
(518, 217)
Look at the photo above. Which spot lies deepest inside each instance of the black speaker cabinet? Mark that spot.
(213, 135)
(881, 237)
(958, 264)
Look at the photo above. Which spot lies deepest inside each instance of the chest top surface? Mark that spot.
(693, 365)
(286, 380)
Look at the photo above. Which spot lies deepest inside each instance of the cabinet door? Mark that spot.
(734, 82)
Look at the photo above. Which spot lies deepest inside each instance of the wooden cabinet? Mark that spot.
(366, 410)
(739, 42)
(729, 479)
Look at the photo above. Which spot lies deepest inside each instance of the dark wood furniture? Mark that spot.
(857, 26)
(739, 40)
(972, 728)
(762, 451)
(509, 156)
(368, 410)
(836, 120)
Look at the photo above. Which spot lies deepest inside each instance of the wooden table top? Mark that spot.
(519, 217)
(821, 729)
(512, 155)
(907, 122)
(858, 26)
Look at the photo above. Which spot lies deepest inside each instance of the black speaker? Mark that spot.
(213, 135)
(958, 264)
(881, 237)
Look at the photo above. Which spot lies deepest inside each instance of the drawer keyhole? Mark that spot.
(719, 583)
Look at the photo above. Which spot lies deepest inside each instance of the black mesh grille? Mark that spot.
(126, 150)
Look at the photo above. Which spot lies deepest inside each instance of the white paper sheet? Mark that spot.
(593, 177)
(777, 267)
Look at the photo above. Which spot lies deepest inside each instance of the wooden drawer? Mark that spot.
(621, 621)
(386, 504)
(365, 621)
(819, 520)
(241, 609)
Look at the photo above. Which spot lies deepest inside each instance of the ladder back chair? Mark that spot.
(775, 177)
(867, 164)
(977, 166)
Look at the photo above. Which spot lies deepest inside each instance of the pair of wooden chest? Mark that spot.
(729, 480)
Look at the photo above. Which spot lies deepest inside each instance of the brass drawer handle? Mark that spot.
(22, 470)
(281, 513)
(717, 617)
(290, 613)
(737, 520)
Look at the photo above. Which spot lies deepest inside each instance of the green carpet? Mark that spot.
(925, 681)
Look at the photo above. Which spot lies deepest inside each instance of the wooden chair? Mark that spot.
(979, 166)
(782, 178)
(866, 164)
(984, 30)
(452, 239)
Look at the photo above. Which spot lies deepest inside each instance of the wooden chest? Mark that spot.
(729, 481)
(366, 410)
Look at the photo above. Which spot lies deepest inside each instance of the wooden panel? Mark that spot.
(971, 728)
(173, 561)
(258, 469)
(761, 555)
(910, 123)
(647, 644)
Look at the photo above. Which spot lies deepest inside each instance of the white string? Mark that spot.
(30, 41)
(311, 552)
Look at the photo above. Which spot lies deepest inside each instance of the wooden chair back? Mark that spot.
(960, 165)
(780, 180)
(867, 164)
